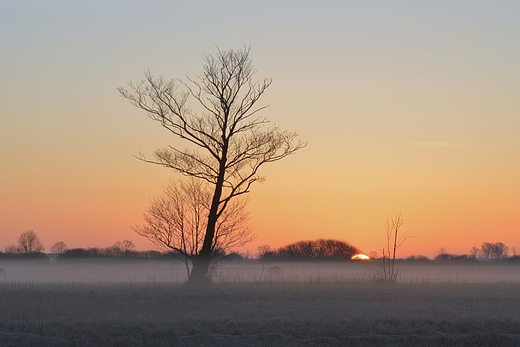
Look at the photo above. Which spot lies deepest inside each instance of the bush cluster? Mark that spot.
(327, 249)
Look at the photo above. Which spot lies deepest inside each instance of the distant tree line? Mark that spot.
(492, 251)
(326, 249)
(29, 246)
(488, 251)
(111, 252)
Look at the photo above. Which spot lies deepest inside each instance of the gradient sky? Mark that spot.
(407, 106)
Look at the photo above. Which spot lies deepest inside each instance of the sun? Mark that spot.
(360, 257)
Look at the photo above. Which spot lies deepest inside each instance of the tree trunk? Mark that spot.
(199, 273)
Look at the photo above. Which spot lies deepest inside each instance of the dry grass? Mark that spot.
(304, 313)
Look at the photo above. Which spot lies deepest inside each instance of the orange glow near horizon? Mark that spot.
(85, 209)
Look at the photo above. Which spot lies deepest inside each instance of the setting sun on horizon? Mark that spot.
(406, 107)
(360, 256)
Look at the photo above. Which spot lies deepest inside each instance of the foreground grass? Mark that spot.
(261, 314)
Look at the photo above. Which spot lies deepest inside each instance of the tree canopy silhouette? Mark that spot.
(496, 250)
(29, 243)
(318, 249)
(59, 248)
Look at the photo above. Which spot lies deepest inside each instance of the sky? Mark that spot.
(407, 107)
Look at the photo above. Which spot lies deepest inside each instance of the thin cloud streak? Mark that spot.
(439, 144)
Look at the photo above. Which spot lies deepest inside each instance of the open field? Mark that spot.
(317, 306)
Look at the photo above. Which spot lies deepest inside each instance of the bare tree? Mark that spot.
(474, 252)
(59, 248)
(388, 269)
(29, 243)
(501, 250)
(121, 248)
(228, 142)
(127, 247)
(264, 251)
(177, 222)
(496, 250)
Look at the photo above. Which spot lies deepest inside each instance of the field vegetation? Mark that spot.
(137, 302)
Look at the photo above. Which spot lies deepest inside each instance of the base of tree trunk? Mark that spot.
(200, 273)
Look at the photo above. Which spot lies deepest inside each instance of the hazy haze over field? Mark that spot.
(136, 303)
(250, 271)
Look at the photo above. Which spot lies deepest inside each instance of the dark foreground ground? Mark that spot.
(262, 314)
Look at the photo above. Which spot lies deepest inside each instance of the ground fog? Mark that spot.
(143, 303)
(253, 271)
